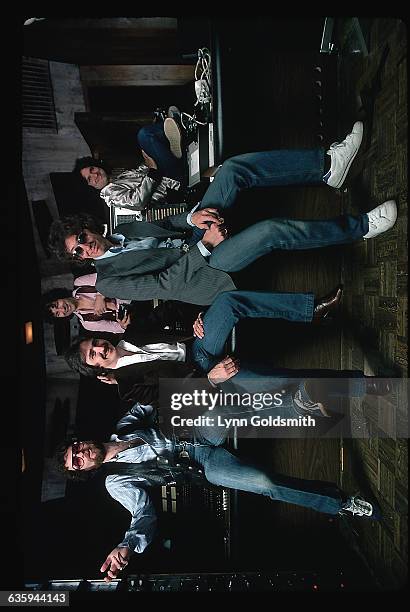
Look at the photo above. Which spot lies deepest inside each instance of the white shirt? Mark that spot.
(149, 352)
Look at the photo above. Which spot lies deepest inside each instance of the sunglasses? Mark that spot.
(81, 239)
(77, 462)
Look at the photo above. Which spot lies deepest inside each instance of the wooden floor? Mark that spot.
(373, 334)
(375, 277)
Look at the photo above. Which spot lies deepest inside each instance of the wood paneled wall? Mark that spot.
(136, 76)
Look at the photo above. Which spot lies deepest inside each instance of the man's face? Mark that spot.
(86, 456)
(64, 307)
(98, 352)
(95, 177)
(89, 246)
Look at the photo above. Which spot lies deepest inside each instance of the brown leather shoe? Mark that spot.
(326, 304)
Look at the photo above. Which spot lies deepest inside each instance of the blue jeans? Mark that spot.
(269, 169)
(226, 470)
(152, 140)
(263, 169)
(232, 306)
(240, 250)
(219, 465)
(229, 307)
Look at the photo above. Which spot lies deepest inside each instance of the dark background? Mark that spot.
(269, 100)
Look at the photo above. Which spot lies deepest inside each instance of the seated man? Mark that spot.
(95, 312)
(165, 260)
(152, 182)
(100, 314)
(137, 189)
(140, 360)
(139, 345)
(139, 456)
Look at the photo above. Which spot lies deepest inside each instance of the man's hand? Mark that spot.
(198, 326)
(99, 304)
(125, 321)
(224, 370)
(151, 163)
(108, 379)
(201, 218)
(115, 562)
(214, 235)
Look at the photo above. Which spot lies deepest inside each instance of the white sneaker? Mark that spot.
(173, 134)
(381, 218)
(342, 155)
(360, 507)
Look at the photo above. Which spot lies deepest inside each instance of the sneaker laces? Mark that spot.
(341, 145)
(357, 505)
(374, 216)
(190, 121)
(202, 77)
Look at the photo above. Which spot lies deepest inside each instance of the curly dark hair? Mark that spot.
(87, 162)
(71, 225)
(74, 358)
(75, 475)
(48, 298)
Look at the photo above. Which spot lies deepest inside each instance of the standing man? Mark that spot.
(138, 456)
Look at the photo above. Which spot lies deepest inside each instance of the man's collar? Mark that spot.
(117, 239)
(117, 244)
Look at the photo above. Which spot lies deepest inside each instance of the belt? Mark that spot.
(180, 463)
(182, 452)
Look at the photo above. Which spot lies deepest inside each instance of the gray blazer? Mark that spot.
(166, 274)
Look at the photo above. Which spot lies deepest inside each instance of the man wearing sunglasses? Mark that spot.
(139, 455)
(165, 260)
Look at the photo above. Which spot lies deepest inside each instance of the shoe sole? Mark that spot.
(342, 180)
(393, 219)
(376, 514)
(173, 111)
(173, 135)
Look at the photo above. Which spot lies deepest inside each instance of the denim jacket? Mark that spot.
(156, 460)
